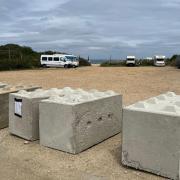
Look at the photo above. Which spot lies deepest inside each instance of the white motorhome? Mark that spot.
(59, 60)
(159, 60)
(131, 61)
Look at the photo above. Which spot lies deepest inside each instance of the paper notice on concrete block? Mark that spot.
(18, 107)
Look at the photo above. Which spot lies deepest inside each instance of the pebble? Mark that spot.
(26, 142)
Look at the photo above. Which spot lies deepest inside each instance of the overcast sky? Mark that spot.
(98, 28)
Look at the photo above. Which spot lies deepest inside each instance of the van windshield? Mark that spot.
(159, 59)
(71, 58)
(130, 59)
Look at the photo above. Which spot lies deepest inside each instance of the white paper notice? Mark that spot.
(18, 107)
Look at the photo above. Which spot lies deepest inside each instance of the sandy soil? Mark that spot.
(19, 161)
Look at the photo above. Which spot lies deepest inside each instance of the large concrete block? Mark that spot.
(79, 119)
(5, 90)
(24, 112)
(151, 135)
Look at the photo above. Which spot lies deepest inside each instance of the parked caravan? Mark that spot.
(178, 61)
(131, 61)
(159, 61)
(59, 60)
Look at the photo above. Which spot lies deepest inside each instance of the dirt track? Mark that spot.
(30, 162)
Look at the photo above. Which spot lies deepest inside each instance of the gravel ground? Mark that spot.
(19, 161)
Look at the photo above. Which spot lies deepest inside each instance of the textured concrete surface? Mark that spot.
(76, 119)
(151, 135)
(5, 90)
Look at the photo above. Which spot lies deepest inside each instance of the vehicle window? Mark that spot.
(56, 58)
(44, 58)
(61, 59)
(130, 59)
(71, 58)
(160, 59)
(49, 58)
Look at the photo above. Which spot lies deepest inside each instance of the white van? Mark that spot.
(59, 60)
(131, 61)
(159, 61)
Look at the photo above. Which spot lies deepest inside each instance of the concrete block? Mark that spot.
(79, 119)
(5, 90)
(151, 135)
(24, 112)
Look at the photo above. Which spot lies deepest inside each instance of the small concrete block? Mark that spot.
(80, 119)
(151, 135)
(25, 122)
(5, 90)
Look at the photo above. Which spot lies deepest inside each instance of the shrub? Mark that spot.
(84, 62)
(113, 64)
(13, 56)
(172, 60)
(145, 62)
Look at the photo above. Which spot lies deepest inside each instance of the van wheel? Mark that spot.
(66, 66)
(44, 66)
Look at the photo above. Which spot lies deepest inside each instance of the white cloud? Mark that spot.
(45, 5)
(96, 48)
(16, 35)
(171, 3)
